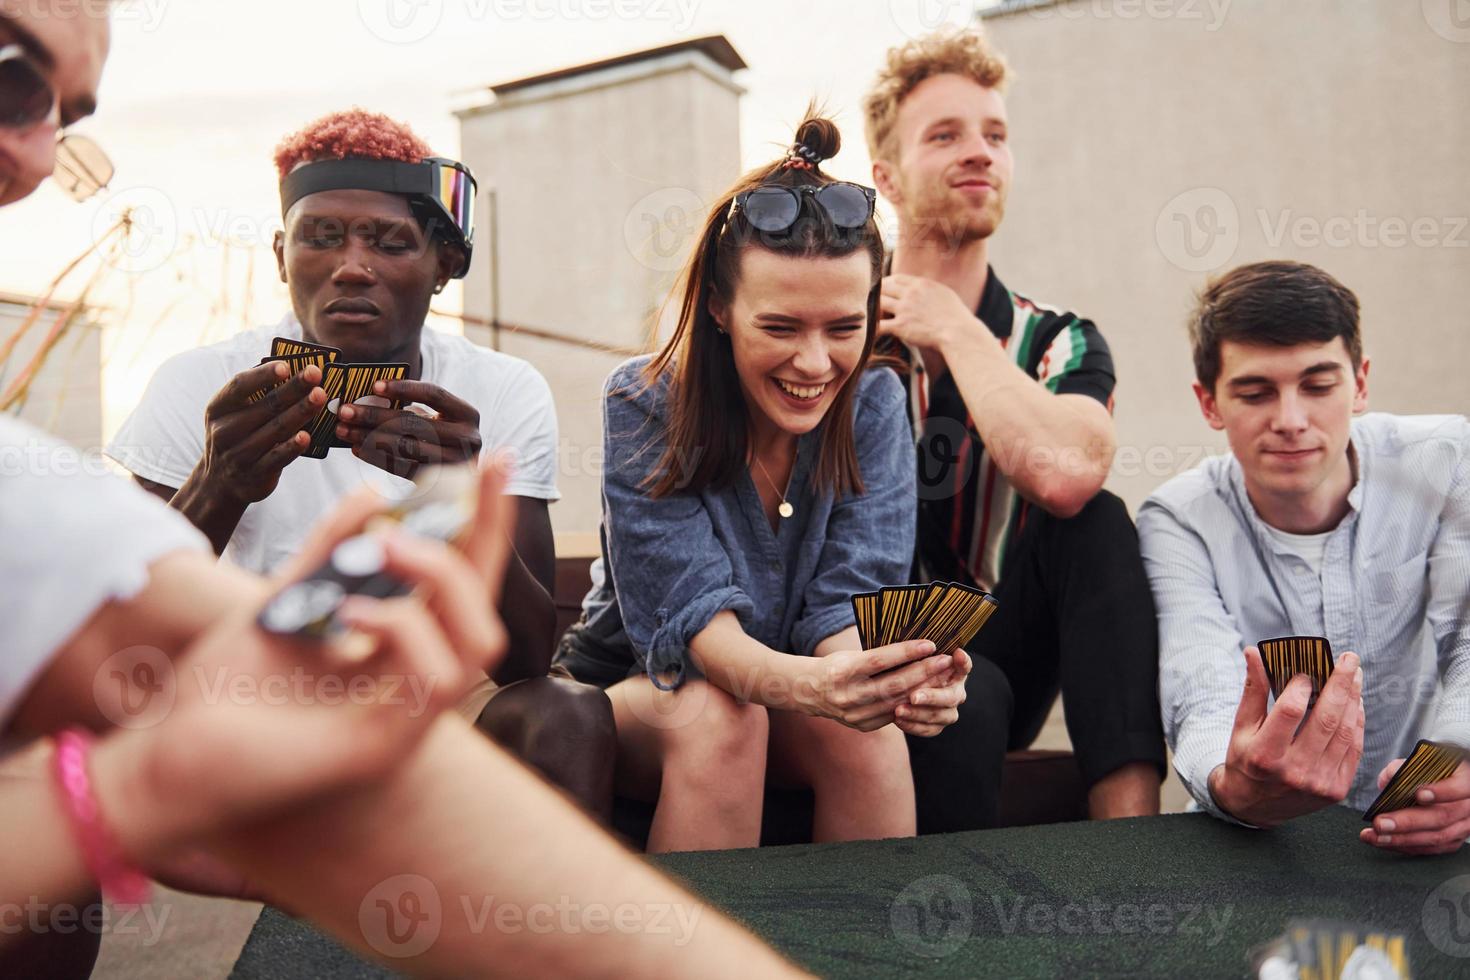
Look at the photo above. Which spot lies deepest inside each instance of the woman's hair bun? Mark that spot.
(820, 136)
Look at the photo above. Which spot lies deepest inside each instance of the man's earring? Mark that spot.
(440, 288)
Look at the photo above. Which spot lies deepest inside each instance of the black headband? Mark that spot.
(440, 192)
(389, 176)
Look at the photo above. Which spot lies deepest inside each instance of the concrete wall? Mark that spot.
(600, 183)
(65, 399)
(1158, 141)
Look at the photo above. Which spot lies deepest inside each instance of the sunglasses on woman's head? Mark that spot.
(27, 99)
(772, 208)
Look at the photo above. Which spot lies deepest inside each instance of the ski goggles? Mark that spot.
(441, 192)
(771, 208)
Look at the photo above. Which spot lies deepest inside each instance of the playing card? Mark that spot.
(865, 615)
(346, 384)
(286, 346)
(296, 362)
(1428, 763)
(1286, 656)
(896, 607)
(1318, 949)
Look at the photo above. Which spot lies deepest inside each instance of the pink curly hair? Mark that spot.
(353, 133)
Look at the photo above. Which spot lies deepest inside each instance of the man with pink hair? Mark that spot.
(363, 257)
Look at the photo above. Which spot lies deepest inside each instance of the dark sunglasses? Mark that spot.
(26, 99)
(775, 209)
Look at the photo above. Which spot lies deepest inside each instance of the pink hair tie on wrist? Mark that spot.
(119, 880)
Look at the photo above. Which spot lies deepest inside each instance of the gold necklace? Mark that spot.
(785, 509)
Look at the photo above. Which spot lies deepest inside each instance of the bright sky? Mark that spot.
(196, 95)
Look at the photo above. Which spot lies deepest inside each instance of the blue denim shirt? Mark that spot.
(677, 561)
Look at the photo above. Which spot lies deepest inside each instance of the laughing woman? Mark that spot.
(759, 473)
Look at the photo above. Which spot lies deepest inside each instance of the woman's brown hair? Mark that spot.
(705, 394)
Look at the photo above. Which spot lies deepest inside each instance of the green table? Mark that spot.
(1149, 897)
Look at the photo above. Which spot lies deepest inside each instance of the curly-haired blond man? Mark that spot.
(1011, 403)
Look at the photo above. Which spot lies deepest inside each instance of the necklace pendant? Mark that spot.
(786, 510)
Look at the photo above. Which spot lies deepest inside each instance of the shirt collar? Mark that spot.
(996, 310)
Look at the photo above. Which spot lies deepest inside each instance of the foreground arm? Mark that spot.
(499, 844)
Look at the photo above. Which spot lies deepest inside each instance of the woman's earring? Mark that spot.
(440, 288)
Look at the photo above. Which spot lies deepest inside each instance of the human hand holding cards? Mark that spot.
(1276, 768)
(1424, 806)
(945, 616)
(401, 440)
(385, 556)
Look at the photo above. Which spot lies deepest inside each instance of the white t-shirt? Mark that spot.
(72, 538)
(163, 440)
(1309, 547)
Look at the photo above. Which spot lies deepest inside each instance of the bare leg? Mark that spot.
(863, 786)
(482, 834)
(1128, 791)
(700, 754)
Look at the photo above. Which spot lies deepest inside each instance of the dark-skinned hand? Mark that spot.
(400, 440)
(248, 443)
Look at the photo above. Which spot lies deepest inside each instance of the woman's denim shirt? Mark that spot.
(677, 561)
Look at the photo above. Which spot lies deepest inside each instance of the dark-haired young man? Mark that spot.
(1316, 524)
(363, 253)
(1011, 405)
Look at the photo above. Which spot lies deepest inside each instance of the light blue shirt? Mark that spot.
(1394, 588)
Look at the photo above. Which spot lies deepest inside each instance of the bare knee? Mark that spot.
(719, 747)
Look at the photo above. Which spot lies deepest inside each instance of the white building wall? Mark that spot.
(599, 182)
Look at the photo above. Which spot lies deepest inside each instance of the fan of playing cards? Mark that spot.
(946, 613)
(1318, 949)
(342, 383)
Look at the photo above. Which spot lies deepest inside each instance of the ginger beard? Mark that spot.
(954, 164)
